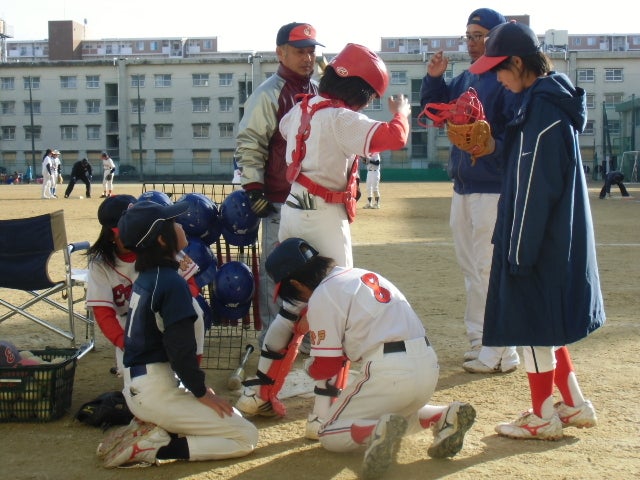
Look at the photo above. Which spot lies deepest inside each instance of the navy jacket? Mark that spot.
(544, 288)
(498, 103)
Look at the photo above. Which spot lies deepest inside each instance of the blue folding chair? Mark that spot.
(27, 246)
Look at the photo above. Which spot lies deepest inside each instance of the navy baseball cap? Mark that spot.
(289, 256)
(485, 17)
(298, 35)
(504, 41)
(110, 210)
(139, 225)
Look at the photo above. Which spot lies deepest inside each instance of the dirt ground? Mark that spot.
(409, 241)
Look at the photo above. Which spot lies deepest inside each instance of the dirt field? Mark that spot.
(409, 241)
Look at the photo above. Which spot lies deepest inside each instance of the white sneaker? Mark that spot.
(530, 426)
(368, 205)
(140, 449)
(251, 404)
(376, 206)
(476, 366)
(383, 446)
(448, 433)
(472, 354)
(583, 416)
(135, 428)
(313, 426)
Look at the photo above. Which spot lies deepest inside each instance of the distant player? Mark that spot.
(373, 180)
(358, 315)
(613, 178)
(108, 171)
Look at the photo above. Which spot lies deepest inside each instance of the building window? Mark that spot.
(374, 105)
(591, 41)
(137, 81)
(163, 130)
(35, 83)
(162, 80)
(613, 75)
(226, 130)
(93, 81)
(68, 132)
(201, 130)
(93, 106)
(207, 44)
(8, 108)
(137, 105)
(614, 127)
(200, 79)
(8, 133)
(68, 81)
(586, 75)
(138, 131)
(591, 100)
(32, 107)
(7, 83)
(612, 99)
(93, 132)
(35, 132)
(200, 105)
(162, 105)
(435, 43)
(164, 157)
(225, 79)
(68, 107)
(589, 128)
(391, 44)
(226, 104)
(398, 78)
(140, 45)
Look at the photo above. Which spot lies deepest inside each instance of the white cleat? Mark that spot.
(583, 416)
(383, 446)
(449, 432)
(312, 427)
(251, 404)
(530, 426)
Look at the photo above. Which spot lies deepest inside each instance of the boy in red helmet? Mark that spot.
(325, 135)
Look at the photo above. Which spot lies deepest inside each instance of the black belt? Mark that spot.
(399, 346)
(137, 371)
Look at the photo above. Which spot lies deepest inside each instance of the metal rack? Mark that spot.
(224, 343)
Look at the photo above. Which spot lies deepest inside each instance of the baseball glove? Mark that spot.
(110, 177)
(474, 138)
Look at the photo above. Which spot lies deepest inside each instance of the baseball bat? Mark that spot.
(236, 378)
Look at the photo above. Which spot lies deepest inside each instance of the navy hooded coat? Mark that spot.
(544, 287)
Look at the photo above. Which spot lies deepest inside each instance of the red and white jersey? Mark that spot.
(353, 311)
(111, 287)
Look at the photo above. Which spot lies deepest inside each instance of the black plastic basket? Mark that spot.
(38, 393)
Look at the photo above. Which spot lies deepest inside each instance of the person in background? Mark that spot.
(372, 161)
(476, 188)
(615, 177)
(544, 289)
(260, 151)
(81, 170)
(47, 169)
(56, 172)
(108, 171)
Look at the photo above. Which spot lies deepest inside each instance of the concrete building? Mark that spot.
(170, 107)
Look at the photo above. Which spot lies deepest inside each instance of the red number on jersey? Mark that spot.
(380, 293)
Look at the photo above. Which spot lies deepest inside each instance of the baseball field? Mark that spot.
(409, 241)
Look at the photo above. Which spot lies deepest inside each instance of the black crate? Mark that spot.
(38, 393)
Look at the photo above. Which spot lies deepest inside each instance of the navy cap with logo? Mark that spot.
(140, 225)
(287, 257)
(110, 210)
(485, 17)
(298, 35)
(504, 41)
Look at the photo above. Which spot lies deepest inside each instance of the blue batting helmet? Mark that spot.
(156, 196)
(201, 214)
(239, 224)
(203, 256)
(233, 289)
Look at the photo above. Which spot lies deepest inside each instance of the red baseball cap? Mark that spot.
(298, 35)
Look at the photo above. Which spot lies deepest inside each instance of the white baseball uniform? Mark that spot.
(363, 316)
(373, 176)
(56, 166)
(108, 167)
(47, 161)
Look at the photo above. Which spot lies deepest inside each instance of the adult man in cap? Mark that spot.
(82, 171)
(261, 149)
(476, 188)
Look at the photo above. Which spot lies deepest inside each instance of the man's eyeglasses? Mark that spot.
(476, 37)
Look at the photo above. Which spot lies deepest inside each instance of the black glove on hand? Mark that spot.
(259, 204)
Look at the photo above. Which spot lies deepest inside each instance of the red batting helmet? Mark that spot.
(358, 61)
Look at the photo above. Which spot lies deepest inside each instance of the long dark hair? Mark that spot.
(104, 247)
(539, 64)
(353, 91)
(158, 255)
(310, 275)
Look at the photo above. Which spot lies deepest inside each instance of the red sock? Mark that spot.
(360, 434)
(429, 422)
(541, 385)
(564, 367)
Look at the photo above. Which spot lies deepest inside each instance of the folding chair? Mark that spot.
(27, 249)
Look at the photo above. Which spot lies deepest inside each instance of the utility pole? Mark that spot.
(33, 144)
(139, 131)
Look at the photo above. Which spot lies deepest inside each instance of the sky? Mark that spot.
(251, 25)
